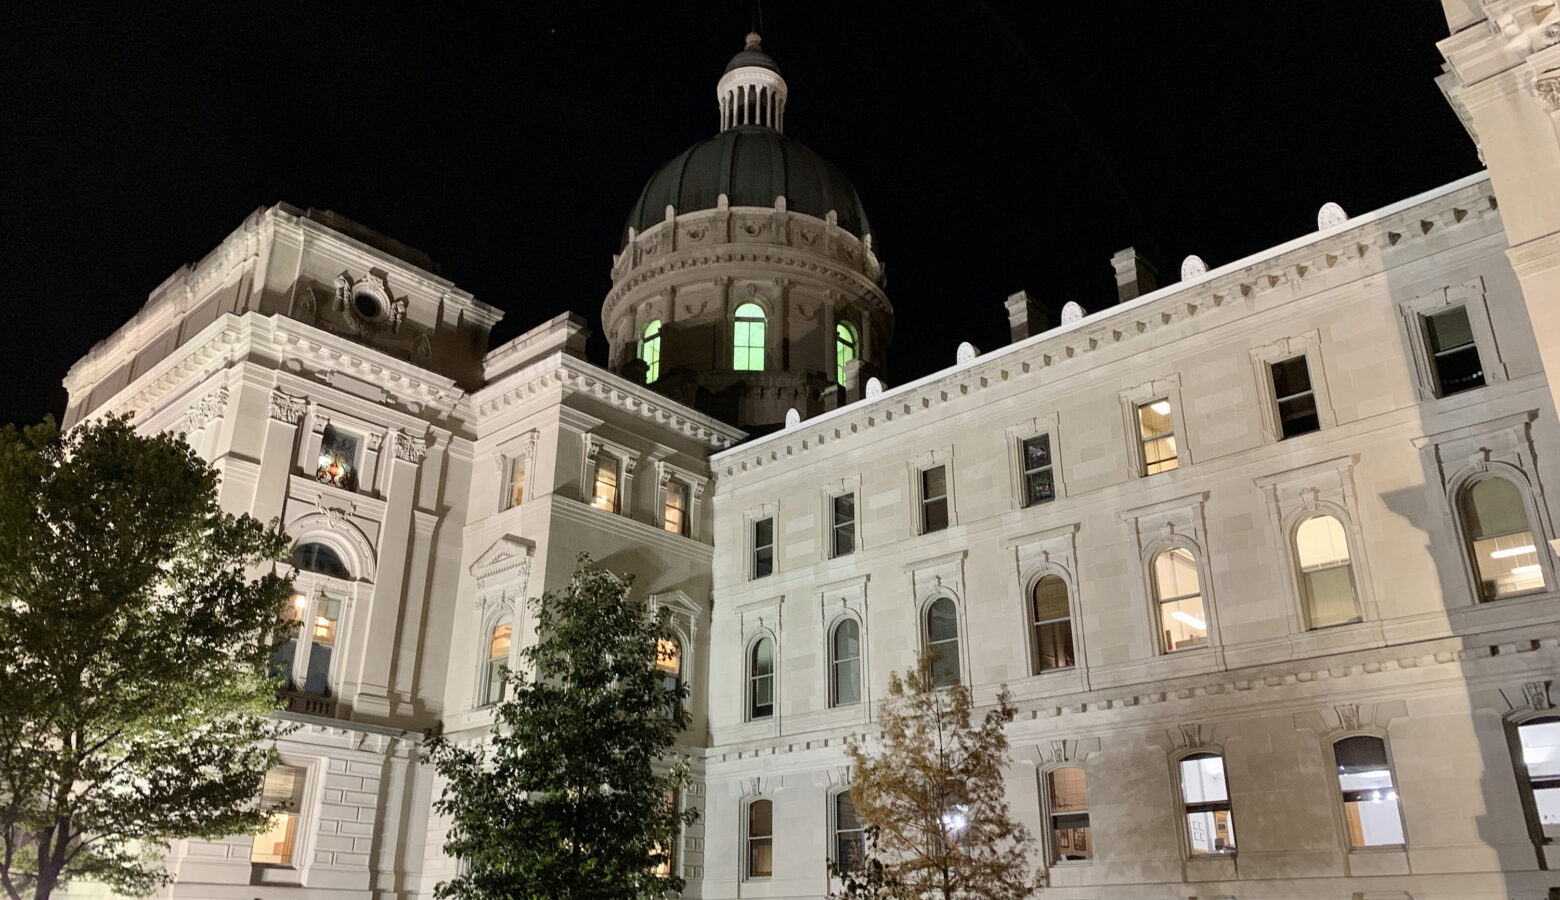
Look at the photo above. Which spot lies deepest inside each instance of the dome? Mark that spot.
(751, 165)
(752, 54)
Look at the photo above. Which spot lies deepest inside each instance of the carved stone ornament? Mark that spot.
(285, 408)
(409, 449)
(874, 387)
(376, 439)
(1537, 694)
(1331, 215)
(966, 353)
(205, 409)
(792, 418)
(305, 306)
(1192, 266)
(1549, 90)
(1191, 735)
(335, 516)
(1072, 312)
(1348, 716)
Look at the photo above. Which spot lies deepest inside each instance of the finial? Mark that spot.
(754, 42)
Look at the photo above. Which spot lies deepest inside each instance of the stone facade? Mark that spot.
(341, 385)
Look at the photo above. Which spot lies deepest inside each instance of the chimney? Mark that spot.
(1134, 275)
(1025, 317)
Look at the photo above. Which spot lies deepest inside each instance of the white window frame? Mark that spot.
(961, 635)
(485, 696)
(1263, 358)
(1177, 522)
(1016, 435)
(833, 816)
(1182, 806)
(747, 839)
(1472, 296)
(315, 587)
(1033, 582)
(627, 459)
(1159, 602)
(915, 466)
(831, 661)
(754, 546)
(750, 678)
(308, 815)
(695, 483)
(518, 452)
(1048, 813)
(1167, 388)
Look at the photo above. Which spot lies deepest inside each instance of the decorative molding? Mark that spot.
(287, 408)
(409, 449)
(204, 410)
(335, 517)
(1348, 716)
(1536, 693)
(1549, 90)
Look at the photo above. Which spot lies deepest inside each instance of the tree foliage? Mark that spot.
(134, 690)
(933, 798)
(564, 800)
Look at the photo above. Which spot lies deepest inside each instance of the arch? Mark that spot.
(1048, 605)
(650, 350)
(940, 627)
(321, 559)
(1177, 588)
(758, 838)
(332, 528)
(1372, 815)
(760, 666)
(847, 657)
(500, 646)
(847, 346)
(749, 337)
(1502, 536)
(1323, 551)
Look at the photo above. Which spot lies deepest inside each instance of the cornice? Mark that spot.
(1288, 272)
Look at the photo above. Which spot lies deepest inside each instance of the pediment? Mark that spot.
(508, 552)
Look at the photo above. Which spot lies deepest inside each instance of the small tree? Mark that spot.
(935, 796)
(134, 645)
(564, 801)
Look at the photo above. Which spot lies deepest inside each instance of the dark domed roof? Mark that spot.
(751, 165)
(752, 54)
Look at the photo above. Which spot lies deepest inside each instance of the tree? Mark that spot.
(935, 796)
(564, 800)
(135, 696)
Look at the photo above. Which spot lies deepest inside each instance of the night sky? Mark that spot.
(996, 147)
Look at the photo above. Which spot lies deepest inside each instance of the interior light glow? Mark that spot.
(1189, 619)
(1160, 406)
(1522, 570)
(1511, 551)
(300, 601)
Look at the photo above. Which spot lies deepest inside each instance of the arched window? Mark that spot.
(942, 640)
(668, 662)
(845, 348)
(1210, 827)
(1067, 806)
(650, 350)
(499, 640)
(1052, 622)
(1500, 539)
(761, 679)
(747, 338)
(315, 557)
(850, 835)
(1539, 775)
(845, 663)
(1326, 572)
(1370, 800)
(1178, 596)
(760, 839)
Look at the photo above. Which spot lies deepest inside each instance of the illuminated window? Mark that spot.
(1296, 400)
(1453, 352)
(844, 349)
(282, 798)
(842, 531)
(1052, 618)
(934, 499)
(942, 640)
(1326, 574)
(747, 338)
(327, 613)
(1539, 775)
(1067, 807)
(338, 459)
(1210, 828)
(761, 679)
(305, 655)
(667, 864)
(1500, 539)
(514, 490)
(604, 488)
(650, 350)
(845, 664)
(499, 641)
(1039, 487)
(668, 662)
(850, 835)
(1156, 429)
(763, 546)
(1178, 595)
(760, 839)
(316, 557)
(1370, 800)
(674, 517)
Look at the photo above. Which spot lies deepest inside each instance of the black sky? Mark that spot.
(995, 146)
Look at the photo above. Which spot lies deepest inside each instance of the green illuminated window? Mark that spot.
(747, 339)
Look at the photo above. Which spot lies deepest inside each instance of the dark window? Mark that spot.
(1370, 800)
(942, 639)
(845, 661)
(850, 836)
(1453, 352)
(760, 839)
(763, 547)
(1053, 625)
(1038, 484)
(319, 558)
(761, 680)
(844, 526)
(1296, 400)
(934, 499)
(1067, 792)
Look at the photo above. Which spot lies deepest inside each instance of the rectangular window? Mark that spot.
(1156, 426)
(934, 499)
(668, 864)
(1452, 351)
(338, 459)
(850, 835)
(843, 529)
(763, 547)
(282, 797)
(1210, 828)
(760, 849)
(1540, 740)
(604, 492)
(1038, 484)
(1068, 796)
(1295, 398)
(514, 491)
(326, 615)
(675, 516)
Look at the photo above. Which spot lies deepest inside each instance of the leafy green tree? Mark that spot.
(564, 801)
(135, 697)
(935, 796)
